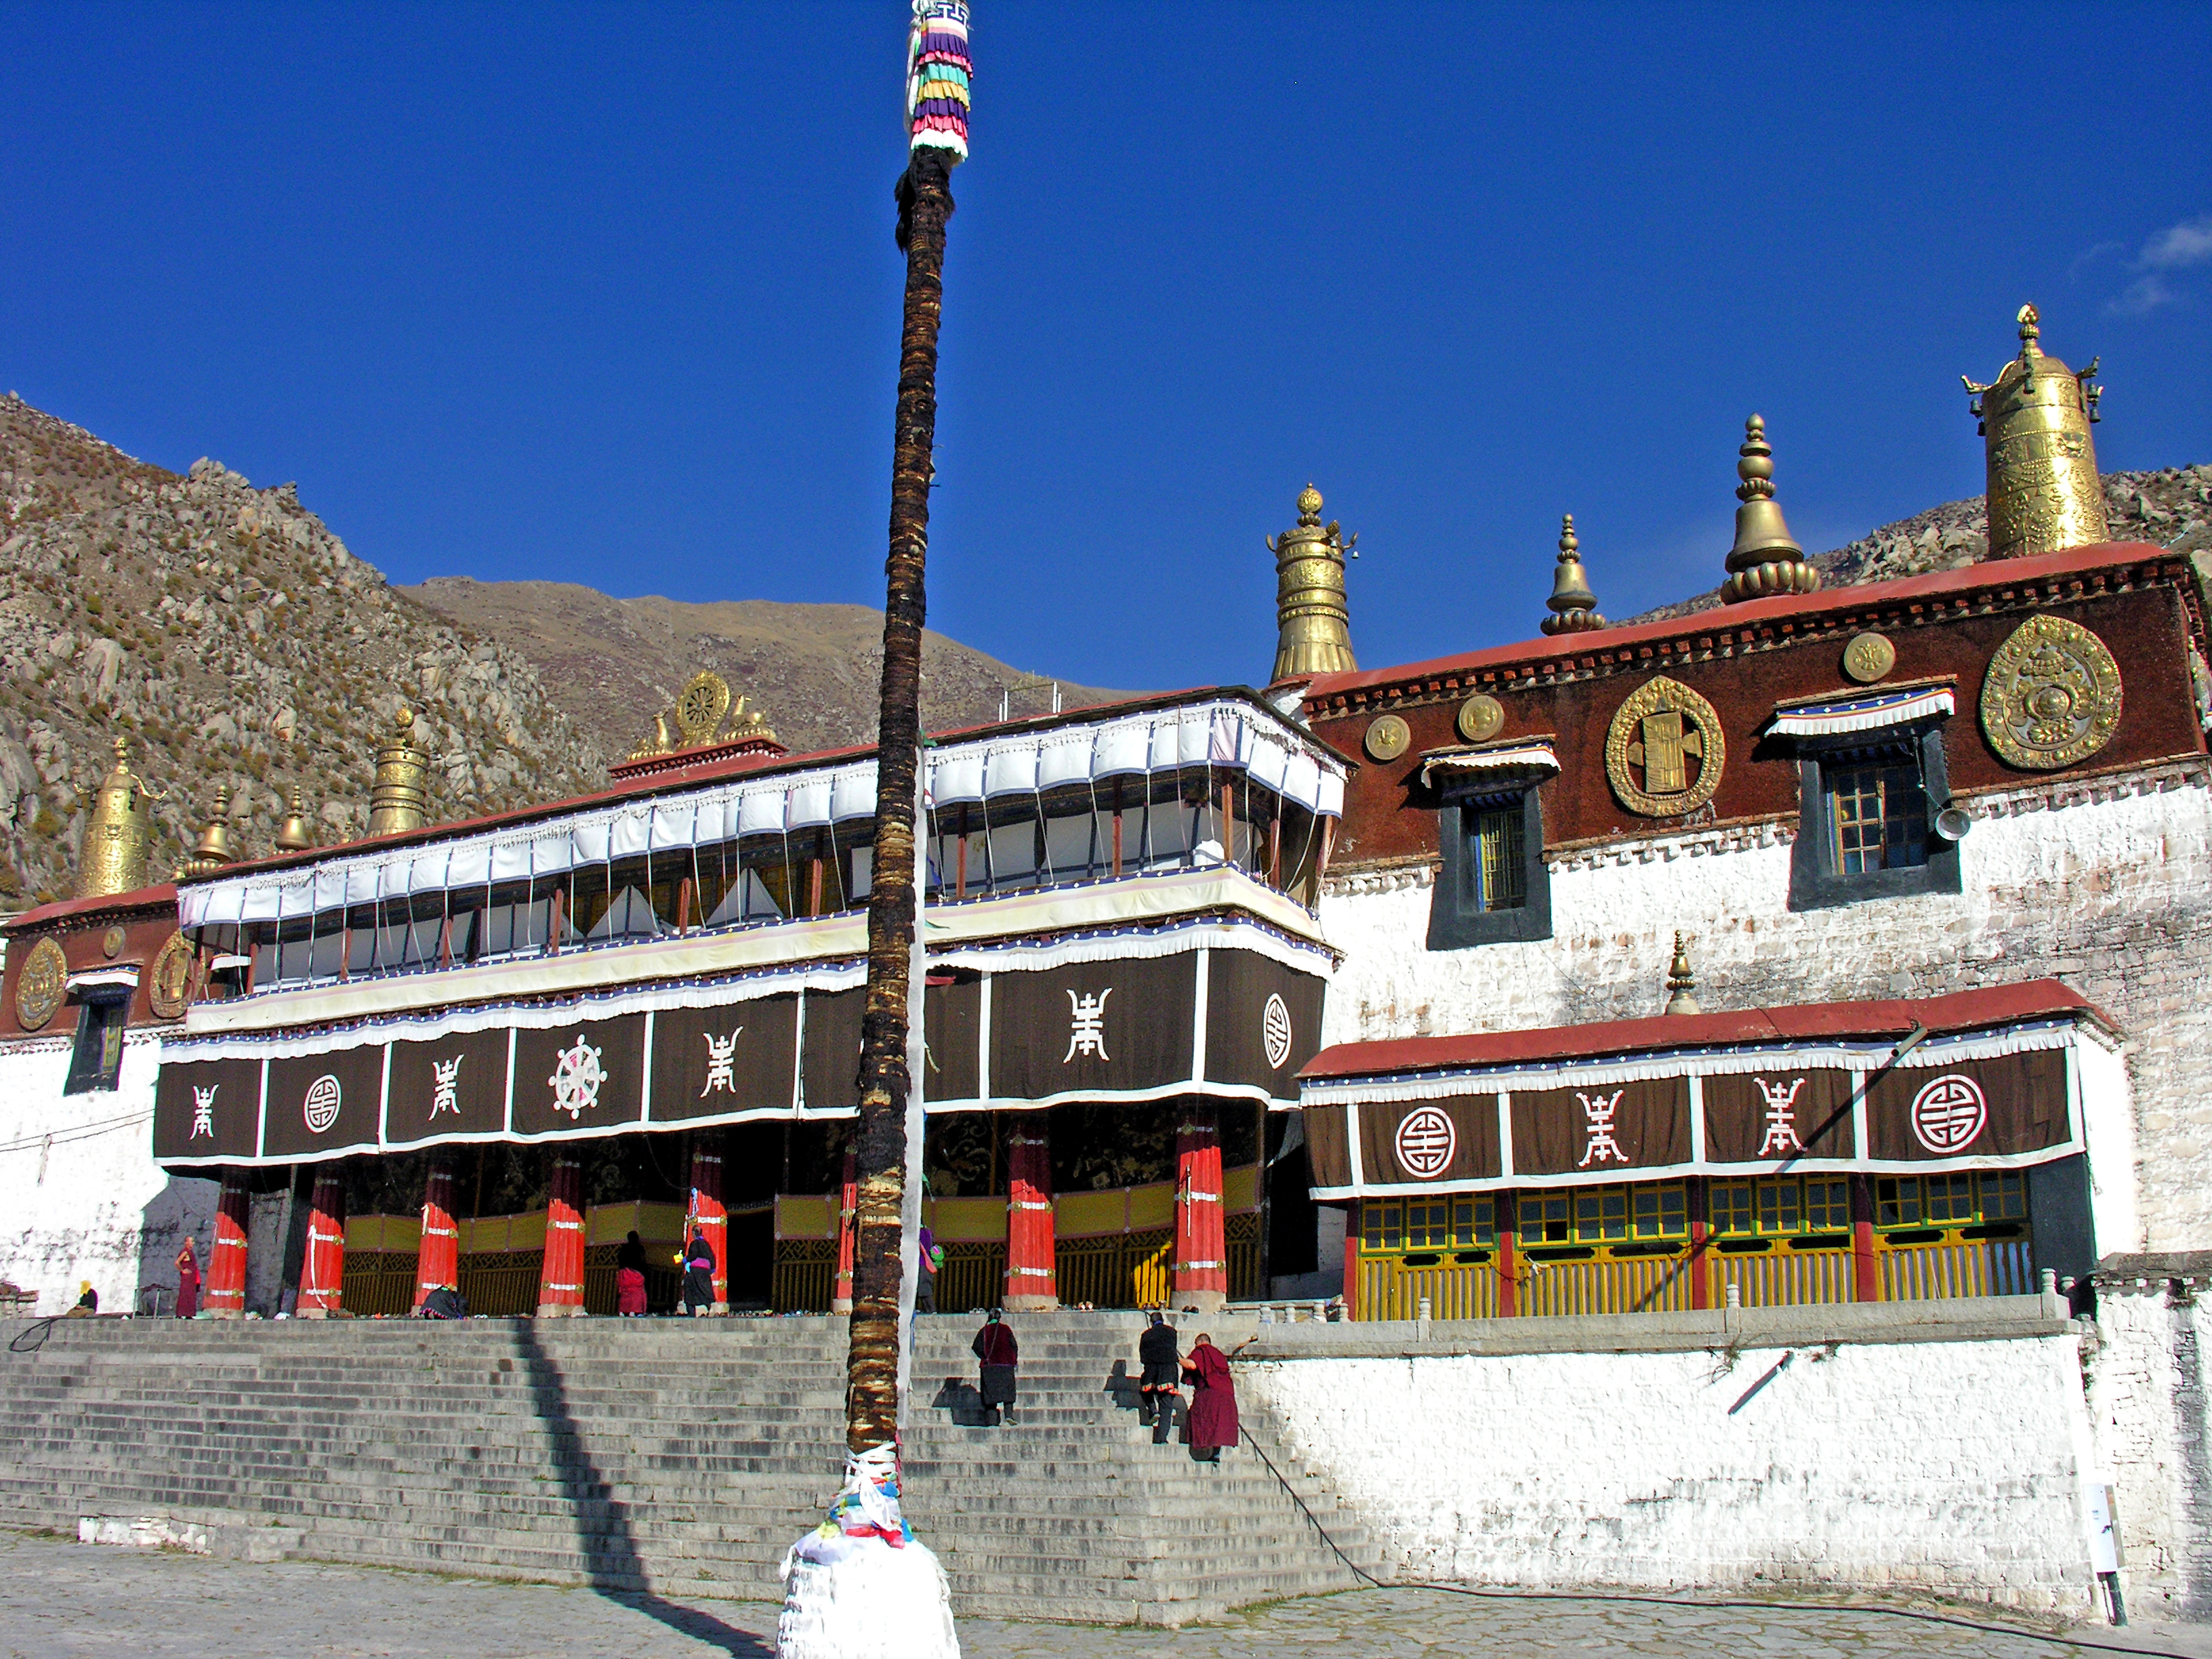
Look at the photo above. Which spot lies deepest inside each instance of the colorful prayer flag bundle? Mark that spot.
(937, 77)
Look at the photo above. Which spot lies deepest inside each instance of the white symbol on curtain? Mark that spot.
(446, 1095)
(721, 1063)
(1275, 1031)
(577, 1078)
(1086, 1033)
(1597, 1124)
(1781, 1116)
(320, 1107)
(1949, 1114)
(204, 1112)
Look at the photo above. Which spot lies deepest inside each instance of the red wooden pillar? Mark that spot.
(1351, 1259)
(561, 1282)
(1201, 1255)
(1031, 1285)
(1866, 1272)
(224, 1296)
(707, 1211)
(1504, 1214)
(848, 1207)
(322, 1271)
(1700, 1266)
(438, 1255)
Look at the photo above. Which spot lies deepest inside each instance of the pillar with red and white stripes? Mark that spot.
(561, 1283)
(322, 1270)
(438, 1253)
(1201, 1239)
(849, 1208)
(707, 1213)
(1031, 1286)
(224, 1295)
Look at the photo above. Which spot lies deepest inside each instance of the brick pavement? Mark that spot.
(62, 1600)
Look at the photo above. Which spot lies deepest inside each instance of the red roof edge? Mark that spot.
(143, 898)
(1803, 1022)
(1988, 573)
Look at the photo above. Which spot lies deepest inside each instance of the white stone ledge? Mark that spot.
(1962, 1319)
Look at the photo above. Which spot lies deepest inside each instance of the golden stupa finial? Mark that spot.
(292, 836)
(1765, 559)
(2043, 492)
(399, 798)
(1313, 621)
(214, 849)
(1682, 983)
(1573, 606)
(118, 833)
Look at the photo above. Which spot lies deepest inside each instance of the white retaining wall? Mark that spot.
(2105, 883)
(2148, 1414)
(1948, 1467)
(80, 1197)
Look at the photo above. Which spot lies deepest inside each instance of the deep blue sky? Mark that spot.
(609, 295)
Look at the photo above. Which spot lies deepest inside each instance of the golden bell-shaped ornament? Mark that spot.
(1572, 605)
(118, 833)
(1765, 559)
(292, 836)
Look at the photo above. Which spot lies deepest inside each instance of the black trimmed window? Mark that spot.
(1493, 886)
(97, 1059)
(1867, 819)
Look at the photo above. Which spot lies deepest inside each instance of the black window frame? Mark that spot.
(1816, 882)
(88, 1072)
(1454, 924)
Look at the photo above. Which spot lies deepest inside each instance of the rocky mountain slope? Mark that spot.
(609, 664)
(233, 640)
(2171, 508)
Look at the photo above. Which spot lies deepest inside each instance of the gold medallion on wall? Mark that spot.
(1480, 718)
(1664, 753)
(170, 982)
(2051, 696)
(38, 989)
(1388, 738)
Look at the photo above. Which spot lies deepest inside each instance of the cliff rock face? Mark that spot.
(233, 639)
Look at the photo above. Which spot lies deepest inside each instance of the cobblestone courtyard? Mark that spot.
(61, 1600)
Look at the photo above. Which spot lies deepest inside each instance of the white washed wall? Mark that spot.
(2148, 1414)
(75, 1205)
(1945, 1468)
(2105, 884)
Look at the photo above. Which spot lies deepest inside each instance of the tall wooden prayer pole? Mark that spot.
(937, 108)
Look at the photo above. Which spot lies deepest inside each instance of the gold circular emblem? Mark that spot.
(110, 943)
(1481, 718)
(39, 987)
(1868, 657)
(1388, 738)
(171, 977)
(1664, 751)
(700, 707)
(2051, 696)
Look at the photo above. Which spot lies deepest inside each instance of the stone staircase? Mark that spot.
(664, 1457)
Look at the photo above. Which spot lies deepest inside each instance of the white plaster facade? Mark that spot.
(79, 1196)
(2104, 883)
(2148, 1416)
(1947, 1467)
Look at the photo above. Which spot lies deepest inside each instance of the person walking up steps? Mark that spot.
(998, 1354)
(1163, 1369)
(1212, 1414)
(699, 1277)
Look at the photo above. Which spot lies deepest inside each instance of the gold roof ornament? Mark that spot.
(1312, 619)
(399, 799)
(1682, 983)
(1572, 605)
(292, 836)
(2043, 492)
(214, 849)
(118, 834)
(1766, 561)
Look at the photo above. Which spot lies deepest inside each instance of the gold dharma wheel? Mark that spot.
(38, 989)
(700, 707)
(1388, 738)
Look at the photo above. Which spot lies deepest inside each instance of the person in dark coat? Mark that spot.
(998, 1354)
(699, 1276)
(1213, 1415)
(630, 1278)
(1162, 1369)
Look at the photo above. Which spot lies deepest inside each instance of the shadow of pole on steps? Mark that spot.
(615, 1561)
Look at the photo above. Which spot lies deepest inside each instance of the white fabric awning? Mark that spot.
(123, 977)
(1530, 759)
(1868, 713)
(1219, 731)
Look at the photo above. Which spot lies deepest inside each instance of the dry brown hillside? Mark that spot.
(609, 664)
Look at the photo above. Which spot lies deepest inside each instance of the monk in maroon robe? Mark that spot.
(188, 1281)
(1212, 1414)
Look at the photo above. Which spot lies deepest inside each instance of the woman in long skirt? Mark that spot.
(997, 1354)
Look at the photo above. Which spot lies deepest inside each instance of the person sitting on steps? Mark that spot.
(1156, 1389)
